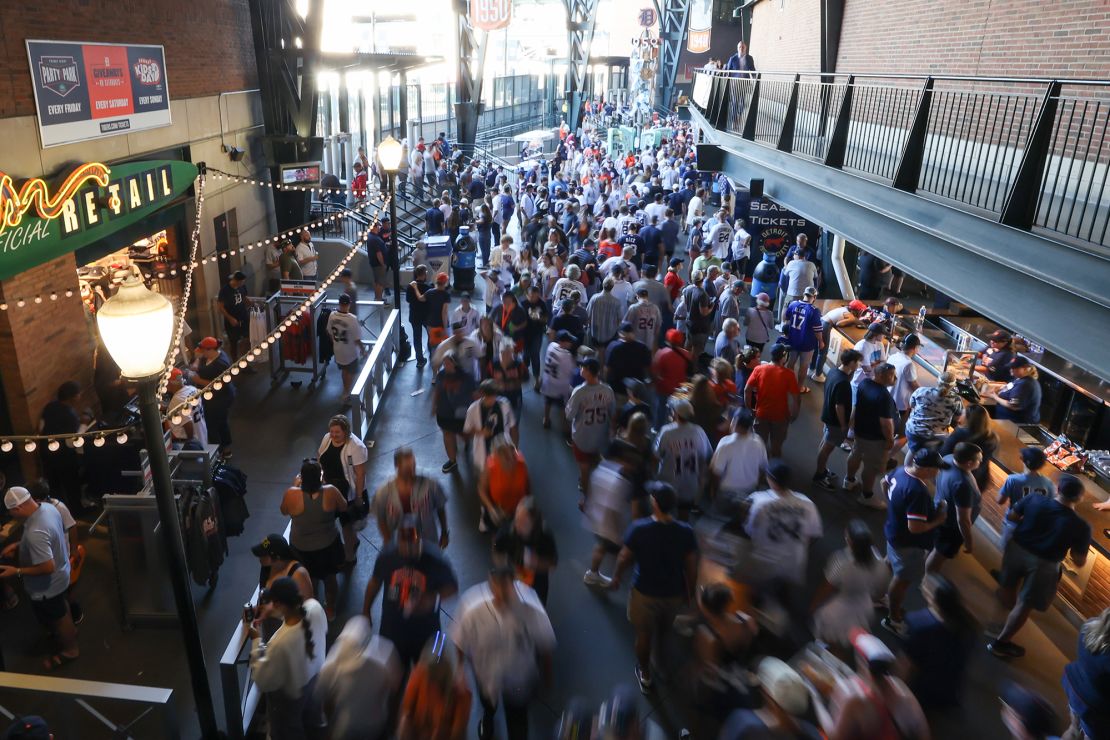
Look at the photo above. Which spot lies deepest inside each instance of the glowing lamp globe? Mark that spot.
(389, 153)
(136, 325)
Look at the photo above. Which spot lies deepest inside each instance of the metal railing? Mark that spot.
(1030, 153)
(65, 704)
(369, 387)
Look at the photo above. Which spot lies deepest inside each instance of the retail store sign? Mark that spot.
(701, 26)
(87, 90)
(490, 15)
(40, 222)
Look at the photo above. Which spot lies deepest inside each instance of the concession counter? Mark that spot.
(1075, 405)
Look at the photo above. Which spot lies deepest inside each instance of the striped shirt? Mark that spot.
(605, 311)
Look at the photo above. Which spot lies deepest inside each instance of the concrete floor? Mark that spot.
(275, 427)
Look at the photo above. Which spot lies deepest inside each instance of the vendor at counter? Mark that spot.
(994, 362)
(1020, 400)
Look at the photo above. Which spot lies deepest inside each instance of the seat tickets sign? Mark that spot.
(85, 90)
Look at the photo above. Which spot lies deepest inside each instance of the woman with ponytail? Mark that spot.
(286, 667)
(854, 576)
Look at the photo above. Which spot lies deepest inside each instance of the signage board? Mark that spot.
(773, 227)
(647, 17)
(490, 15)
(701, 26)
(41, 222)
(88, 90)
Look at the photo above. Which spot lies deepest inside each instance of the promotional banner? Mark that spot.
(86, 90)
(43, 221)
(701, 26)
(490, 15)
(773, 227)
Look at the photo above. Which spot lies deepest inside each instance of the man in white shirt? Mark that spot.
(694, 208)
(502, 629)
(186, 422)
(737, 464)
(720, 237)
(466, 314)
(741, 248)
(781, 524)
(346, 339)
(657, 210)
(306, 256)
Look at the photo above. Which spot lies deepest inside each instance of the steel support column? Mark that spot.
(581, 18)
(1021, 202)
(472, 66)
(786, 133)
(838, 144)
(674, 17)
(908, 172)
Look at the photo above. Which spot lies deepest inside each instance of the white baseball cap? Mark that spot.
(16, 496)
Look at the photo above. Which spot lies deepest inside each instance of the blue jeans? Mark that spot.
(822, 353)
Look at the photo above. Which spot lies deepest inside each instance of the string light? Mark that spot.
(54, 442)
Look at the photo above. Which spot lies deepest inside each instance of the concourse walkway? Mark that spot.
(276, 427)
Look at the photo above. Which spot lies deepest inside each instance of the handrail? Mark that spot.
(369, 387)
(78, 693)
(1025, 155)
(732, 73)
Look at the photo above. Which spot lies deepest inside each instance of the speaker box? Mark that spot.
(710, 157)
(756, 189)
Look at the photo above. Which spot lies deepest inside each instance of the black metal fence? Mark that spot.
(1032, 154)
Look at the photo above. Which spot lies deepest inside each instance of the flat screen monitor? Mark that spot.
(301, 173)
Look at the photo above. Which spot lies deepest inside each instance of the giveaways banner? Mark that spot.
(86, 90)
(773, 227)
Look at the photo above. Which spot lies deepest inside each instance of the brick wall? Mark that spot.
(786, 35)
(209, 48)
(1015, 38)
(44, 345)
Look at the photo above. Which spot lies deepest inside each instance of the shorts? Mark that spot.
(1039, 577)
(652, 613)
(381, 273)
(915, 442)
(907, 563)
(48, 611)
(873, 453)
(607, 545)
(585, 458)
(234, 335)
(949, 542)
(436, 335)
(350, 367)
(324, 562)
(450, 424)
(834, 436)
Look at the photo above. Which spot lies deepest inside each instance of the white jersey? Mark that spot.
(741, 244)
(646, 321)
(558, 368)
(781, 528)
(179, 409)
(684, 452)
(624, 225)
(720, 237)
(346, 336)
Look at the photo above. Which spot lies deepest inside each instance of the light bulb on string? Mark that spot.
(6, 446)
(53, 445)
(30, 446)
(208, 395)
(217, 385)
(175, 419)
(78, 442)
(121, 438)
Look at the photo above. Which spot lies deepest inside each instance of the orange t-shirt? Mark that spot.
(772, 385)
(507, 487)
(428, 714)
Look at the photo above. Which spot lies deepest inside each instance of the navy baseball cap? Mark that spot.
(1020, 361)
(927, 458)
(344, 299)
(1033, 457)
(31, 727)
(779, 472)
(676, 261)
(626, 327)
(591, 364)
(564, 336)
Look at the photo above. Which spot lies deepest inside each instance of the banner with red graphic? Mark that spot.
(490, 15)
(87, 90)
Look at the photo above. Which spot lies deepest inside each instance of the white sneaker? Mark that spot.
(594, 579)
(875, 502)
(818, 378)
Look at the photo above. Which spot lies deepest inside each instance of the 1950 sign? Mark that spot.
(39, 222)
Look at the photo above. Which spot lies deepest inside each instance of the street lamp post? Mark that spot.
(389, 154)
(137, 328)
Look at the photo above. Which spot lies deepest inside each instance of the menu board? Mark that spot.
(88, 90)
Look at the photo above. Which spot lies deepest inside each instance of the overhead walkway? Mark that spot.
(992, 190)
